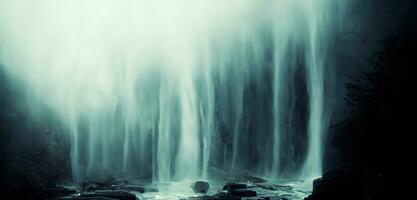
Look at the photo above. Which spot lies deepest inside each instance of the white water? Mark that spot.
(169, 89)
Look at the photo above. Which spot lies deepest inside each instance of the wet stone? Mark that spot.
(218, 196)
(243, 193)
(251, 179)
(273, 187)
(200, 186)
(133, 188)
(54, 192)
(234, 186)
(92, 185)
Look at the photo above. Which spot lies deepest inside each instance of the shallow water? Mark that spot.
(182, 190)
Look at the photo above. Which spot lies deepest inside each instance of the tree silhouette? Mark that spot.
(381, 103)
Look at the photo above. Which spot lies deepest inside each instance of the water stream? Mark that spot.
(168, 90)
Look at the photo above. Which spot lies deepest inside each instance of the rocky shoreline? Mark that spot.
(241, 188)
(346, 182)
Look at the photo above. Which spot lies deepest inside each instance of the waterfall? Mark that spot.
(168, 90)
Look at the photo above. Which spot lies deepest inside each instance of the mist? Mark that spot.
(170, 89)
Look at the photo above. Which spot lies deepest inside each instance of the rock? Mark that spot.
(224, 196)
(252, 179)
(151, 189)
(269, 198)
(121, 195)
(134, 188)
(89, 187)
(200, 186)
(205, 197)
(111, 183)
(273, 187)
(234, 186)
(347, 182)
(220, 174)
(54, 192)
(242, 193)
(218, 196)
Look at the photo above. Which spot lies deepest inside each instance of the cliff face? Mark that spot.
(369, 24)
(373, 138)
(34, 154)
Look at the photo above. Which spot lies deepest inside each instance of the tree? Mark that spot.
(381, 104)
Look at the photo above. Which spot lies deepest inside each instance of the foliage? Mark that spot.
(381, 103)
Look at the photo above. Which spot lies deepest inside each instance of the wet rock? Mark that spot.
(200, 186)
(121, 195)
(218, 196)
(273, 187)
(111, 183)
(267, 187)
(151, 189)
(252, 179)
(205, 197)
(89, 187)
(224, 196)
(272, 198)
(54, 192)
(230, 176)
(134, 188)
(347, 182)
(234, 186)
(242, 193)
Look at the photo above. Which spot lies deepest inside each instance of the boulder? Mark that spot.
(106, 184)
(234, 186)
(273, 187)
(251, 179)
(134, 188)
(200, 186)
(242, 193)
(347, 182)
(54, 192)
(231, 176)
(224, 196)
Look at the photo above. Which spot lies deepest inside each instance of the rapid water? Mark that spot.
(174, 89)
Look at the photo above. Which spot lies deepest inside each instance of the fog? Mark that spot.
(153, 88)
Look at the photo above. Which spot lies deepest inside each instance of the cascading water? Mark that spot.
(171, 89)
